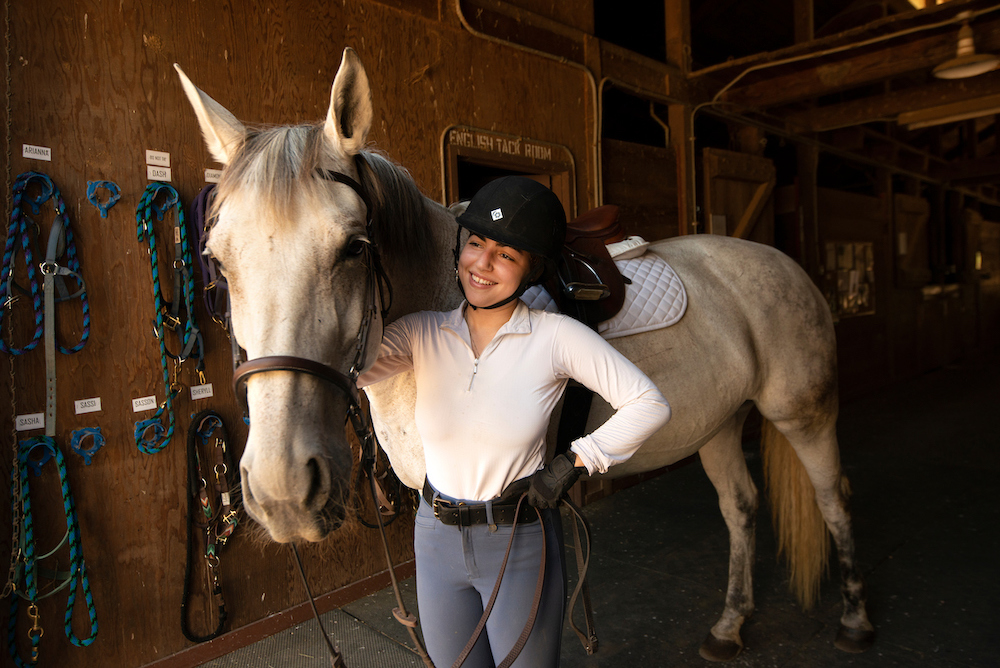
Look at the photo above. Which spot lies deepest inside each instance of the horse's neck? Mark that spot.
(431, 285)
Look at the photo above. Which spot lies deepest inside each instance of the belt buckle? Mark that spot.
(439, 504)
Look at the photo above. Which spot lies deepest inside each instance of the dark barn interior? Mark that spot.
(858, 137)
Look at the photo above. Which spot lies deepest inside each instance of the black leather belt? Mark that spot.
(471, 514)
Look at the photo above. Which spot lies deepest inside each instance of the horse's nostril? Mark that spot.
(316, 482)
(245, 485)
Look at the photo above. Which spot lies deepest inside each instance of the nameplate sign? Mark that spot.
(158, 158)
(489, 142)
(143, 404)
(201, 391)
(154, 173)
(92, 405)
(30, 421)
(36, 152)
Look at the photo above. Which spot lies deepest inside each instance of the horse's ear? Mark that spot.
(350, 115)
(223, 132)
(458, 208)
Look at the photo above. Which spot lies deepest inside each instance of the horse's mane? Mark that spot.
(400, 208)
(273, 161)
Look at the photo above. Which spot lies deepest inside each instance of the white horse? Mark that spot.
(291, 244)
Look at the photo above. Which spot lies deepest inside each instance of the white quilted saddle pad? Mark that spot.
(656, 298)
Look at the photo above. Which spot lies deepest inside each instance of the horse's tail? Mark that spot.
(802, 534)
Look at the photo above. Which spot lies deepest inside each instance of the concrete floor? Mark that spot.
(923, 459)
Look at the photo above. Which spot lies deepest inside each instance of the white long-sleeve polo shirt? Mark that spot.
(483, 420)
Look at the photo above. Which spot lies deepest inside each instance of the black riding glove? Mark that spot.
(550, 483)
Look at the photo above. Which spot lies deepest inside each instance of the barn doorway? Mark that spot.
(474, 157)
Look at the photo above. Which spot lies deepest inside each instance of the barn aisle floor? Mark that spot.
(923, 459)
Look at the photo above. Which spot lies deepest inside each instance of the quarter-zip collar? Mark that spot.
(519, 323)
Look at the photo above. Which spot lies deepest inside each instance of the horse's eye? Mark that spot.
(356, 247)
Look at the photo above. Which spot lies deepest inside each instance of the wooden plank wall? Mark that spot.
(94, 82)
(642, 181)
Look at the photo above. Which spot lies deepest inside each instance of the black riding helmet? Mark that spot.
(521, 213)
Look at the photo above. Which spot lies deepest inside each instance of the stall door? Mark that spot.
(737, 195)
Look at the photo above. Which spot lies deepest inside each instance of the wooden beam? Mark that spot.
(807, 158)
(976, 170)
(677, 15)
(796, 82)
(805, 21)
(752, 212)
(888, 25)
(952, 112)
(889, 105)
(681, 133)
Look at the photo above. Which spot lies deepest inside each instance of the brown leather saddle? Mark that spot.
(588, 284)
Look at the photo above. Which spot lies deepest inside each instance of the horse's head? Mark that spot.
(291, 244)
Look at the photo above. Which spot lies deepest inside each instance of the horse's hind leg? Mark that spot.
(722, 458)
(815, 444)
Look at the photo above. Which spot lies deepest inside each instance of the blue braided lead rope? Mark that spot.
(150, 434)
(78, 571)
(20, 224)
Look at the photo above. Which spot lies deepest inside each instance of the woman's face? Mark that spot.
(490, 272)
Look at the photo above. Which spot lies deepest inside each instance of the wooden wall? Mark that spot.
(94, 82)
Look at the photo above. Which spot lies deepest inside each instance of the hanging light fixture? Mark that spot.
(966, 63)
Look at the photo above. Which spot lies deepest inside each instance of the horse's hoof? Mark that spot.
(714, 649)
(854, 641)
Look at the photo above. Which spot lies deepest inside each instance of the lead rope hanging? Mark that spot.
(61, 242)
(75, 579)
(150, 434)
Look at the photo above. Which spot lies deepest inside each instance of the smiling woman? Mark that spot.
(488, 376)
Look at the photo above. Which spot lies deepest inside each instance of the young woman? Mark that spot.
(488, 375)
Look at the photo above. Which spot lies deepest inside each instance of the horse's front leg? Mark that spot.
(722, 458)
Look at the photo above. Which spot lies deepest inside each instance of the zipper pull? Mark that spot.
(475, 369)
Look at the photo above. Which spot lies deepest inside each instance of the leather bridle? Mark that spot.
(378, 291)
(379, 294)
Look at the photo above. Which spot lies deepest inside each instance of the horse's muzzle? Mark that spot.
(312, 518)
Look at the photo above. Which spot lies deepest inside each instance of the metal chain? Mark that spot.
(15, 547)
